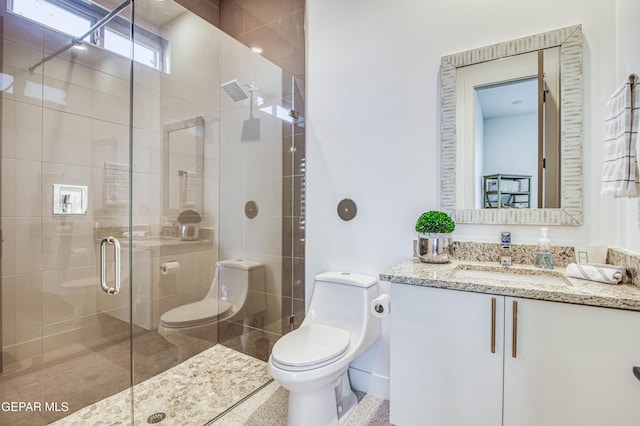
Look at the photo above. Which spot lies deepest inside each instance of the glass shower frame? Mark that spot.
(112, 141)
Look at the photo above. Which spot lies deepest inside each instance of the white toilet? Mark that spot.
(229, 297)
(312, 361)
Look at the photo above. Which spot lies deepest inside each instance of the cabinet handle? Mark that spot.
(514, 345)
(493, 325)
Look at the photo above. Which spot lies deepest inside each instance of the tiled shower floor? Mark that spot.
(191, 393)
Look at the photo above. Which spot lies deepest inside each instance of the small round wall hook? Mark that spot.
(251, 209)
(347, 209)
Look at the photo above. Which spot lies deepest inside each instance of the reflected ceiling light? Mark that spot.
(80, 46)
(257, 50)
(278, 112)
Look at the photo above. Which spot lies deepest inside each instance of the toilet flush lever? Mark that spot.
(103, 265)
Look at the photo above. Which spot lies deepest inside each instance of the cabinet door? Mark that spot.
(573, 365)
(443, 371)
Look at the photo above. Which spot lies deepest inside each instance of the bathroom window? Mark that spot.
(76, 17)
(142, 53)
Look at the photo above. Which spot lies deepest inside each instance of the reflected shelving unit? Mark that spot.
(506, 191)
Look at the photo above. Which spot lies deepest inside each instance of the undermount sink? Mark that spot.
(524, 276)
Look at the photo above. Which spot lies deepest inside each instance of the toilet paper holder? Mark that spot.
(169, 267)
(381, 305)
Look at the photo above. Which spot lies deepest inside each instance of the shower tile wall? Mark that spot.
(275, 26)
(252, 171)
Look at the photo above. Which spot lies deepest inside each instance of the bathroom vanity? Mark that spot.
(472, 343)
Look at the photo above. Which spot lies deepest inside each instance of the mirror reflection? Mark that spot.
(511, 107)
(512, 131)
(183, 166)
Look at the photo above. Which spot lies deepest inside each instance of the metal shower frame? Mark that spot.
(77, 41)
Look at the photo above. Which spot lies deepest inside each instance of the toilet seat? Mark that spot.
(309, 347)
(196, 313)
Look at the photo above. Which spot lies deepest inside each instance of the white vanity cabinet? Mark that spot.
(572, 365)
(443, 371)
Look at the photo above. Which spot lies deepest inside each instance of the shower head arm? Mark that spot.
(251, 103)
(76, 41)
(250, 87)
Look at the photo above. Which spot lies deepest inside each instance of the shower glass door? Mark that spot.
(66, 343)
(144, 169)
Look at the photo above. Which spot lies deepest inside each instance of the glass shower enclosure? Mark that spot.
(129, 174)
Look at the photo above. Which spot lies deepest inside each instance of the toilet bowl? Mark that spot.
(312, 361)
(227, 299)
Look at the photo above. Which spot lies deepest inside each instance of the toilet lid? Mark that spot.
(195, 313)
(311, 346)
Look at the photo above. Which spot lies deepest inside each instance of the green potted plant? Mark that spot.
(435, 242)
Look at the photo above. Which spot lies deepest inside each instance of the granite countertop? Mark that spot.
(167, 246)
(572, 290)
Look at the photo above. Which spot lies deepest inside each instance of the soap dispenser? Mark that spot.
(544, 259)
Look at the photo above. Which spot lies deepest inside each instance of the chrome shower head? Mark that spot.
(234, 90)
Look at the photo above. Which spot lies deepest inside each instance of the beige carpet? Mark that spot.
(191, 393)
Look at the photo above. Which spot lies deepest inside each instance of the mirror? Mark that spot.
(183, 166)
(481, 180)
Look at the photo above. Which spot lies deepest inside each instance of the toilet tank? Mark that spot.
(242, 283)
(342, 299)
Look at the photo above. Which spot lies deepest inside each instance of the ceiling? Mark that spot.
(511, 98)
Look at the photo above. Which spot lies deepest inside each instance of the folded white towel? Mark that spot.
(608, 274)
(620, 175)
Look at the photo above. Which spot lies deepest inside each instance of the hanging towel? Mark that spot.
(608, 274)
(620, 175)
(116, 184)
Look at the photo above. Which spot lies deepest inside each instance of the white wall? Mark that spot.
(627, 62)
(373, 120)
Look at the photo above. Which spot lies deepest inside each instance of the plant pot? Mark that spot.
(435, 248)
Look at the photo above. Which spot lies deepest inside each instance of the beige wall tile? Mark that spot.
(263, 235)
(21, 183)
(22, 299)
(21, 250)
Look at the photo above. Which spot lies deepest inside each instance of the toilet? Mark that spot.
(228, 298)
(312, 361)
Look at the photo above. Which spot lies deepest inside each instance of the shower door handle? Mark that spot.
(103, 265)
